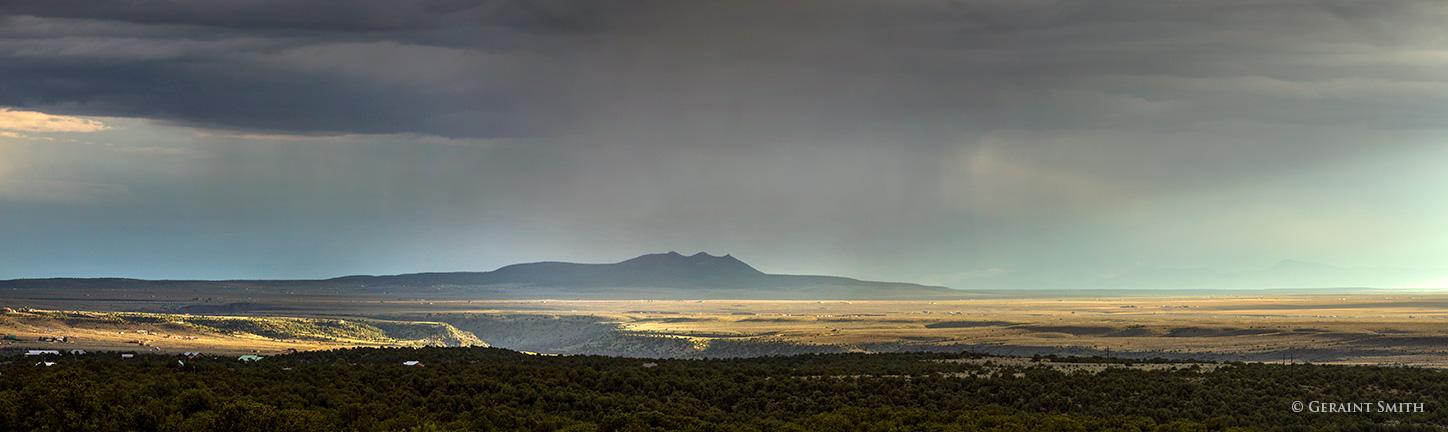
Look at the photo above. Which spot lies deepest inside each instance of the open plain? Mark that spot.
(1390, 328)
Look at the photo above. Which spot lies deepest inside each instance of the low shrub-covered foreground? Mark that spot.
(494, 389)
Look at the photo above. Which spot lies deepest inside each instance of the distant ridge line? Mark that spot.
(669, 275)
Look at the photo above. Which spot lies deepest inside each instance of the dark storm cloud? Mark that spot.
(250, 96)
(321, 15)
(879, 139)
(450, 68)
(526, 67)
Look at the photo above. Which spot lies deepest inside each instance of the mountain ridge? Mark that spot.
(663, 270)
(668, 275)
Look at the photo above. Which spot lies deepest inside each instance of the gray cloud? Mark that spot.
(875, 139)
(326, 15)
(461, 68)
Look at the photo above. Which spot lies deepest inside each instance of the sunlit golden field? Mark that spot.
(1363, 329)
(1410, 329)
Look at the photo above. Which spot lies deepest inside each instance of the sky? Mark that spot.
(1022, 143)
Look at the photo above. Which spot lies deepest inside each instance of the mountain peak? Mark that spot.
(704, 256)
(701, 261)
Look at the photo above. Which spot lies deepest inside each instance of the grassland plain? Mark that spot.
(1388, 329)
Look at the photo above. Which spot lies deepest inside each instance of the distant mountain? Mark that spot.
(655, 276)
(667, 270)
(671, 275)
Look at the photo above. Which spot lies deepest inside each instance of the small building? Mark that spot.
(126, 356)
(77, 351)
(42, 352)
(249, 358)
(45, 363)
(191, 354)
(412, 363)
(649, 365)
